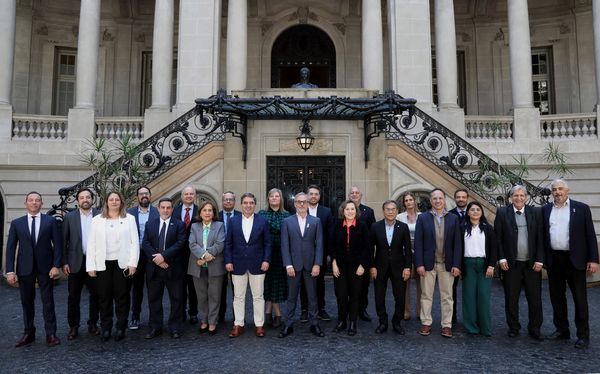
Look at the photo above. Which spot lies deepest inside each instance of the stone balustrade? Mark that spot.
(39, 127)
(486, 128)
(569, 126)
(119, 127)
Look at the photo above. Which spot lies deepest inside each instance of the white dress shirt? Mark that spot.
(247, 226)
(86, 224)
(559, 226)
(475, 243)
(302, 223)
(37, 224)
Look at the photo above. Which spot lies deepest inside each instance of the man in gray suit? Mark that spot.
(75, 229)
(302, 252)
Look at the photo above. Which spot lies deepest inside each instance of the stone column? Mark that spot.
(87, 54)
(237, 44)
(445, 52)
(596, 22)
(520, 54)
(162, 54)
(8, 17)
(372, 45)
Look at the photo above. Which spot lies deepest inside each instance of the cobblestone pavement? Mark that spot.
(300, 352)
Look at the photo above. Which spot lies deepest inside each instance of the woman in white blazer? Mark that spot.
(112, 254)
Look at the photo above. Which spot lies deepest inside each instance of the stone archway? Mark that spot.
(303, 45)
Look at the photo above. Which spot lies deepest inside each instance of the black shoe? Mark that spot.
(513, 333)
(316, 331)
(381, 328)
(341, 326)
(536, 336)
(363, 315)
(397, 327)
(212, 332)
(105, 335)
(93, 329)
(582, 343)
(193, 320)
(203, 330)
(323, 316)
(73, 333)
(153, 334)
(304, 316)
(285, 331)
(120, 335)
(175, 334)
(352, 328)
(558, 335)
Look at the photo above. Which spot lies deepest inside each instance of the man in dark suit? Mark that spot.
(39, 258)
(367, 216)
(324, 214)
(461, 199)
(228, 212)
(247, 257)
(571, 251)
(143, 213)
(438, 256)
(163, 242)
(521, 257)
(392, 260)
(302, 253)
(187, 212)
(75, 230)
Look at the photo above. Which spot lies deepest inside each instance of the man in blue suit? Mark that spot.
(438, 255)
(39, 258)
(163, 242)
(228, 201)
(247, 257)
(571, 251)
(302, 253)
(143, 213)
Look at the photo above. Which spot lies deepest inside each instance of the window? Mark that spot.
(146, 97)
(461, 77)
(543, 81)
(64, 81)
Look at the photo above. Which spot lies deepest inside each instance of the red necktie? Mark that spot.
(186, 219)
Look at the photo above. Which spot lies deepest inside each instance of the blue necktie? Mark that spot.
(161, 237)
(33, 238)
(228, 214)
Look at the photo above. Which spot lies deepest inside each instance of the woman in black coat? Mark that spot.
(351, 257)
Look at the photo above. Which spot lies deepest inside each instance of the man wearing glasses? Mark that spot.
(225, 215)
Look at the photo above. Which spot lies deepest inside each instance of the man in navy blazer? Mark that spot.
(39, 258)
(163, 242)
(247, 256)
(302, 253)
(142, 213)
(76, 227)
(228, 202)
(571, 251)
(187, 212)
(438, 255)
(461, 199)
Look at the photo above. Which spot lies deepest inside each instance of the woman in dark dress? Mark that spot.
(351, 256)
(275, 291)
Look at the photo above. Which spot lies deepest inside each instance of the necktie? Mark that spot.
(228, 214)
(161, 237)
(519, 212)
(462, 214)
(33, 238)
(205, 240)
(186, 219)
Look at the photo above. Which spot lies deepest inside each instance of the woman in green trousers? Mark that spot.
(480, 254)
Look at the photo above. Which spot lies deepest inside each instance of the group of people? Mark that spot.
(197, 252)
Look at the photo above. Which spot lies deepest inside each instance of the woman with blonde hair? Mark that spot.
(113, 250)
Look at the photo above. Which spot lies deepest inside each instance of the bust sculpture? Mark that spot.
(304, 79)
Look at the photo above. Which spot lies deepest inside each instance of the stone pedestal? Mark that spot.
(155, 119)
(526, 128)
(81, 124)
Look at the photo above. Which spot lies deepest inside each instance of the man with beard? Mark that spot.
(142, 213)
(75, 232)
(461, 199)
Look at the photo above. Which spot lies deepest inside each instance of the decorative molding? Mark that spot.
(341, 27)
(564, 29)
(265, 26)
(140, 38)
(75, 30)
(107, 36)
(303, 14)
(42, 30)
(466, 38)
(499, 35)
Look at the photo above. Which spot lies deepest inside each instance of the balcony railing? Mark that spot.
(569, 126)
(119, 127)
(39, 127)
(486, 128)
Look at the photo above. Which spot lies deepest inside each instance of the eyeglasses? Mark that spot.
(300, 202)
(229, 200)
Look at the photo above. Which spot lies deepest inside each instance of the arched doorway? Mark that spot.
(299, 46)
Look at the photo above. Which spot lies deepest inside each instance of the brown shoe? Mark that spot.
(236, 331)
(73, 333)
(425, 330)
(93, 329)
(52, 340)
(446, 332)
(25, 340)
(260, 332)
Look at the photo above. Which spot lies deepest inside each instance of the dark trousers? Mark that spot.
(294, 284)
(76, 282)
(560, 274)
(137, 288)
(156, 288)
(27, 291)
(189, 297)
(454, 287)
(347, 292)
(521, 276)
(398, 289)
(320, 287)
(363, 301)
(113, 286)
(223, 306)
